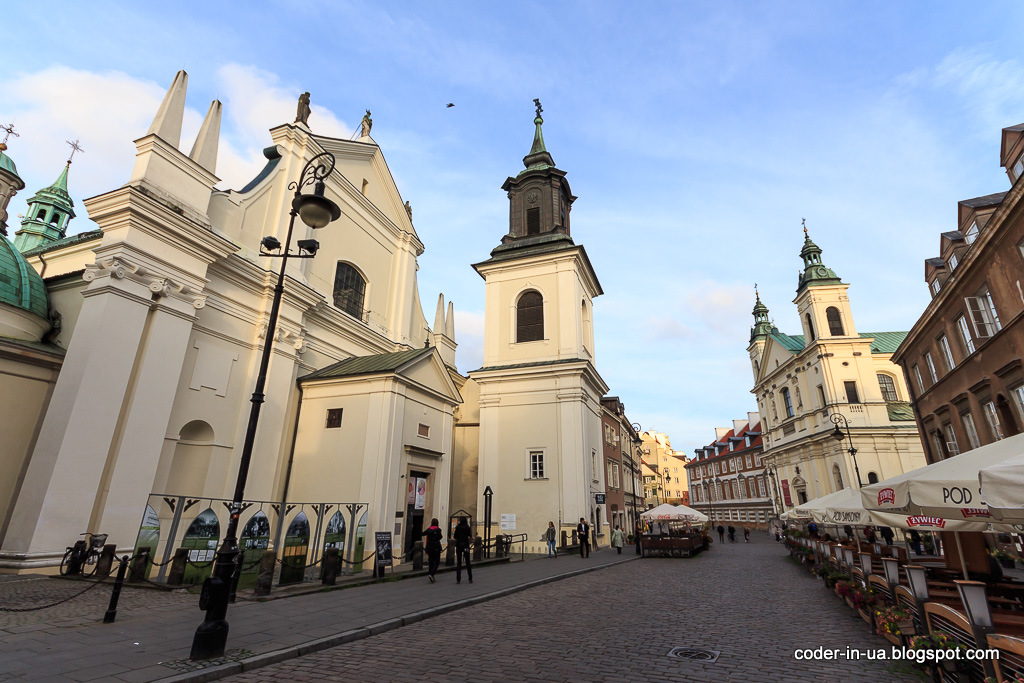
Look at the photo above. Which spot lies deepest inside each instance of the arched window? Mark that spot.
(41, 216)
(530, 317)
(349, 290)
(888, 387)
(838, 477)
(835, 321)
(810, 328)
(872, 478)
(55, 218)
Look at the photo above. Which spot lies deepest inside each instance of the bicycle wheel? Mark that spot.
(66, 562)
(89, 566)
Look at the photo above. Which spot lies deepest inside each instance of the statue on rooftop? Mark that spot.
(367, 124)
(302, 113)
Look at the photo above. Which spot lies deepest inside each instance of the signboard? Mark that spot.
(599, 498)
(508, 522)
(410, 493)
(421, 493)
(382, 541)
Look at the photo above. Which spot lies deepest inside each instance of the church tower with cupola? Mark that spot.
(821, 298)
(539, 390)
(49, 212)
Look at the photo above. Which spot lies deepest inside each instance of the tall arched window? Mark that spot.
(835, 321)
(530, 317)
(838, 477)
(349, 290)
(888, 387)
(787, 402)
(810, 328)
(872, 478)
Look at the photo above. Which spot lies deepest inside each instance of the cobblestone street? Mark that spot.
(747, 601)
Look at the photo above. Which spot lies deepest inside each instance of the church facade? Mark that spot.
(128, 354)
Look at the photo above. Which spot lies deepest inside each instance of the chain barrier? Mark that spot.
(59, 602)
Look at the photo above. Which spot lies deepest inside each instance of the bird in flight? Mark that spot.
(450, 105)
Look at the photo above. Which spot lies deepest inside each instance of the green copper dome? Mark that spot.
(762, 325)
(49, 212)
(20, 284)
(815, 272)
(7, 164)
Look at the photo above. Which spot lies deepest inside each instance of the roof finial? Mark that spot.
(9, 128)
(539, 119)
(75, 147)
(803, 222)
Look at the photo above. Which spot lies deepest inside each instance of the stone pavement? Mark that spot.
(153, 633)
(746, 601)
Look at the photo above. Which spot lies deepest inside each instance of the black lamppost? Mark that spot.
(636, 471)
(836, 418)
(316, 211)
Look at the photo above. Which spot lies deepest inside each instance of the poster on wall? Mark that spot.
(508, 522)
(421, 493)
(410, 493)
(382, 541)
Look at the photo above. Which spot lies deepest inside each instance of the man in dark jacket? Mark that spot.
(463, 540)
(721, 533)
(433, 547)
(583, 532)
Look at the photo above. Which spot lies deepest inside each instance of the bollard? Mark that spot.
(106, 560)
(417, 556)
(177, 573)
(565, 539)
(449, 555)
(575, 541)
(331, 567)
(265, 578)
(239, 559)
(115, 595)
(478, 549)
(139, 565)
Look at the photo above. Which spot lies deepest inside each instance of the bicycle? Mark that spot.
(83, 557)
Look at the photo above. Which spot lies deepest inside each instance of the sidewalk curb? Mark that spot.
(277, 656)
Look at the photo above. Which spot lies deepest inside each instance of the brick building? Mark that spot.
(727, 479)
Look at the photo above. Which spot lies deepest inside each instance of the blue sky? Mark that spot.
(696, 135)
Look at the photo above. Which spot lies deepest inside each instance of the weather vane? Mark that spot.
(10, 131)
(536, 101)
(803, 222)
(75, 147)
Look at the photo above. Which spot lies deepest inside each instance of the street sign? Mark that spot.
(599, 497)
(508, 522)
(382, 540)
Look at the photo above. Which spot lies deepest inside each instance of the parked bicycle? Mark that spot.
(83, 557)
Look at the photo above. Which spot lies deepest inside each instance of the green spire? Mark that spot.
(49, 212)
(538, 159)
(762, 325)
(815, 272)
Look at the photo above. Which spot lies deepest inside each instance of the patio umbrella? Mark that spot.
(1003, 486)
(816, 509)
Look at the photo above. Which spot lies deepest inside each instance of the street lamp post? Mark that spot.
(836, 418)
(316, 211)
(636, 470)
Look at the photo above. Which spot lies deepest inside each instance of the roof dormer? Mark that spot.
(1011, 152)
(977, 209)
(935, 274)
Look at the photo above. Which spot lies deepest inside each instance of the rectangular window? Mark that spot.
(992, 417)
(533, 221)
(732, 465)
(931, 366)
(972, 432)
(965, 335)
(953, 263)
(917, 378)
(951, 445)
(424, 430)
(982, 311)
(971, 234)
(1018, 399)
(757, 460)
(536, 464)
(940, 447)
(748, 460)
(821, 395)
(760, 486)
(333, 418)
(935, 286)
(947, 353)
(851, 392)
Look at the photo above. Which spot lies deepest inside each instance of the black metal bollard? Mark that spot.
(139, 565)
(265, 577)
(178, 564)
(106, 561)
(478, 549)
(331, 567)
(111, 614)
(449, 555)
(417, 556)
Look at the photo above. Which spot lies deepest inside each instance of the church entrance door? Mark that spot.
(414, 510)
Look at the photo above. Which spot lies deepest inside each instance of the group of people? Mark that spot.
(463, 537)
(732, 534)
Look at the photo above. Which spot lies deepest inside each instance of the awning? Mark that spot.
(943, 496)
(674, 513)
(1003, 486)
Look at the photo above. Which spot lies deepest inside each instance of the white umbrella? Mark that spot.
(816, 509)
(1003, 487)
(847, 507)
(691, 515)
(943, 496)
(674, 513)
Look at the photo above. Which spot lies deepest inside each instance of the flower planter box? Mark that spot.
(866, 616)
(849, 601)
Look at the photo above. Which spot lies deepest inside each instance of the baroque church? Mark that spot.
(129, 351)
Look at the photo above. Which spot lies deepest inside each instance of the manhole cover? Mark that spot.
(695, 654)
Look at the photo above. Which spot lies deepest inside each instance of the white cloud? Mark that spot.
(469, 333)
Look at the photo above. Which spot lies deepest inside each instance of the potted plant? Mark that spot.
(1005, 559)
(893, 623)
(844, 589)
(938, 641)
(866, 601)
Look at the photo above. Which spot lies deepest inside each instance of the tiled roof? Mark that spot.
(66, 242)
(755, 442)
(529, 365)
(900, 411)
(885, 342)
(367, 365)
(793, 342)
(987, 200)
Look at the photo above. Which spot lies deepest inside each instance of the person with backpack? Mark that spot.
(433, 548)
(463, 540)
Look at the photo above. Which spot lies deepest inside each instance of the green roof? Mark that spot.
(367, 365)
(20, 284)
(793, 342)
(7, 164)
(66, 242)
(535, 364)
(885, 342)
(900, 411)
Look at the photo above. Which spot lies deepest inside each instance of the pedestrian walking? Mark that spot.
(433, 548)
(721, 534)
(549, 535)
(886, 534)
(617, 539)
(746, 535)
(463, 540)
(583, 531)
(732, 534)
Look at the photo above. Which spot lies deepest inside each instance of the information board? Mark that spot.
(382, 541)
